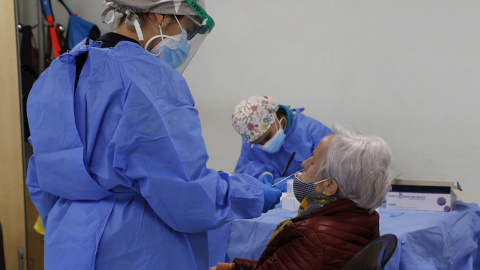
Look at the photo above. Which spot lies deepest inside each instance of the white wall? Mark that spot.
(404, 70)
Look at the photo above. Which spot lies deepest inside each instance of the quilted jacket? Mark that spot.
(325, 239)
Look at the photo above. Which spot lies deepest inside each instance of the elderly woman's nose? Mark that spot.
(306, 164)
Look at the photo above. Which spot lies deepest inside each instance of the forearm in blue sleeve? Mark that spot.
(42, 200)
(164, 153)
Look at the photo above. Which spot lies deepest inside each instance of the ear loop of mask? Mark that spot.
(318, 182)
(162, 36)
(280, 123)
(297, 175)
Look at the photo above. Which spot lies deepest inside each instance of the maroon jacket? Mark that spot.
(325, 239)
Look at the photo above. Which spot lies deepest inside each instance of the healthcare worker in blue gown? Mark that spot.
(119, 172)
(275, 138)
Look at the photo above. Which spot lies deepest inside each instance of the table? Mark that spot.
(426, 239)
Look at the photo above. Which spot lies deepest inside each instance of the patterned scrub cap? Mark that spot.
(253, 116)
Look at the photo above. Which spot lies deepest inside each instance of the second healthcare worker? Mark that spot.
(276, 139)
(119, 172)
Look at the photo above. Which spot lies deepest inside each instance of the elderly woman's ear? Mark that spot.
(330, 187)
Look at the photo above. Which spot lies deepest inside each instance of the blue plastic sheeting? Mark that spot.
(434, 240)
(245, 238)
(254, 240)
(426, 239)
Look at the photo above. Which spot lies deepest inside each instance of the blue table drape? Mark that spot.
(426, 239)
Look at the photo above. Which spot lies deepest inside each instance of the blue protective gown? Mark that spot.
(303, 135)
(119, 171)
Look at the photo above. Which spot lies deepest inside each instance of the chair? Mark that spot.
(375, 255)
(3, 266)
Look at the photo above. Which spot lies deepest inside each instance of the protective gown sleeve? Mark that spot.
(158, 143)
(42, 200)
(251, 167)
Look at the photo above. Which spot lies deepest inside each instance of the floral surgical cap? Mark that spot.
(253, 116)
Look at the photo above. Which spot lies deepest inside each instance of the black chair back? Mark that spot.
(375, 255)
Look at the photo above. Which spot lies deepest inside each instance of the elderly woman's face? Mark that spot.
(312, 164)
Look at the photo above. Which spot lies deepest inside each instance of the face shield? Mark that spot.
(197, 28)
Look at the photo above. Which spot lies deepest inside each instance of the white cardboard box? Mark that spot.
(423, 195)
(290, 203)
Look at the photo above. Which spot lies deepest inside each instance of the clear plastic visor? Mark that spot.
(197, 30)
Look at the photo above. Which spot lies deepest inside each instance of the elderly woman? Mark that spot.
(343, 182)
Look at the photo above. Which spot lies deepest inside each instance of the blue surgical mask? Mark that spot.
(275, 143)
(172, 49)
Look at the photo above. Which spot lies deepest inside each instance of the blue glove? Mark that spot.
(266, 178)
(271, 196)
(283, 185)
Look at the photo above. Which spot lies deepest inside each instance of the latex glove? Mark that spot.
(283, 185)
(266, 178)
(271, 197)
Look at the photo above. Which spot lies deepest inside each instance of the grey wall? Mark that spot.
(403, 70)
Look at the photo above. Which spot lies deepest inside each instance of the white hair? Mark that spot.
(361, 165)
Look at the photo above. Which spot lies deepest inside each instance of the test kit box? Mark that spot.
(423, 195)
(289, 202)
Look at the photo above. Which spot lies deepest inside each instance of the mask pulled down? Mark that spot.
(302, 189)
(276, 142)
(172, 49)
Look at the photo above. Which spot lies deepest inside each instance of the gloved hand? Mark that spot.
(271, 196)
(266, 178)
(283, 185)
